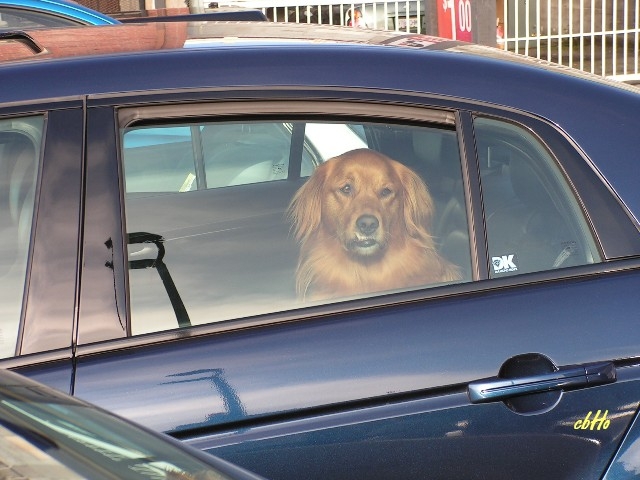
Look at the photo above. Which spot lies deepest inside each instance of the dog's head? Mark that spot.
(364, 200)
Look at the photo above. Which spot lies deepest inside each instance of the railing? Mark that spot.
(597, 36)
(400, 15)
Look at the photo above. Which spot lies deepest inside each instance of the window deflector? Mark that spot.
(128, 116)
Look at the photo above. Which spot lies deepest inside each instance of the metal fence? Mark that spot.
(598, 36)
(400, 15)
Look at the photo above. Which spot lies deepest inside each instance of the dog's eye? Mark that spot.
(385, 192)
(346, 189)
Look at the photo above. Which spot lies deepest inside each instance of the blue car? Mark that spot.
(322, 252)
(24, 14)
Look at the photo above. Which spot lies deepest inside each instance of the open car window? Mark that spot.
(232, 219)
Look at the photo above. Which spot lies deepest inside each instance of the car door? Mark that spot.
(190, 323)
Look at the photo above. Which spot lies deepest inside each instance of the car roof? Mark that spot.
(147, 37)
(70, 10)
(250, 42)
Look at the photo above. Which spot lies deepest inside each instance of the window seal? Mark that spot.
(474, 204)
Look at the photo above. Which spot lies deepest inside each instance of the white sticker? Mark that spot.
(504, 264)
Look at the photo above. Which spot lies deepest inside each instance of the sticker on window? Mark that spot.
(504, 264)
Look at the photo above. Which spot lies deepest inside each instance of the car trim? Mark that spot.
(37, 358)
(129, 115)
(471, 179)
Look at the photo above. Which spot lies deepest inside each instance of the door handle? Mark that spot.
(565, 378)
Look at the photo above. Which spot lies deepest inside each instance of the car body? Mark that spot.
(23, 14)
(150, 261)
(45, 433)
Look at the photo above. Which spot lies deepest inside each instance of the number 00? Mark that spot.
(464, 15)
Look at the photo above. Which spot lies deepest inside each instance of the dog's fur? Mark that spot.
(362, 224)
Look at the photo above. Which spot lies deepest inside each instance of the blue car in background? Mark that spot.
(22, 14)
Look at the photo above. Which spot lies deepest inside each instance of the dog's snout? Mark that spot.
(367, 224)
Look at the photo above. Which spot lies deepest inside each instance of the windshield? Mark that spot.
(45, 436)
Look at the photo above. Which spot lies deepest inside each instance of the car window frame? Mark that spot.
(233, 110)
(613, 227)
(366, 102)
(266, 110)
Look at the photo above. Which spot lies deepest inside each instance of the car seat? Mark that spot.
(437, 161)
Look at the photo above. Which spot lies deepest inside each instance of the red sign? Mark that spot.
(454, 19)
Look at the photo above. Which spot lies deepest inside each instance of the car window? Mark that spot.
(233, 219)
(20, 141)
(533, 220)
(20, 18)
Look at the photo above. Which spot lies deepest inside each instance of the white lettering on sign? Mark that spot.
(464, 16)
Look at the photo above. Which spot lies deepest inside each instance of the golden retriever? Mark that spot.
(361, 221)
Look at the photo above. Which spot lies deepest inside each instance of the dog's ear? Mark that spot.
(305, 209)
(418, 204)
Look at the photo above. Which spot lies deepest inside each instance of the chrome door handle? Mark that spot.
(566, 378)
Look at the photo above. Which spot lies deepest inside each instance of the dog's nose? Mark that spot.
(367, 224)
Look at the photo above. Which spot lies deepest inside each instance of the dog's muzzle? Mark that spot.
(365, 243)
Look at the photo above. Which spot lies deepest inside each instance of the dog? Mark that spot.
(361, 221)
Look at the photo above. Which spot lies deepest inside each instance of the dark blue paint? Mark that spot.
(427, 438)
(429, 344)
